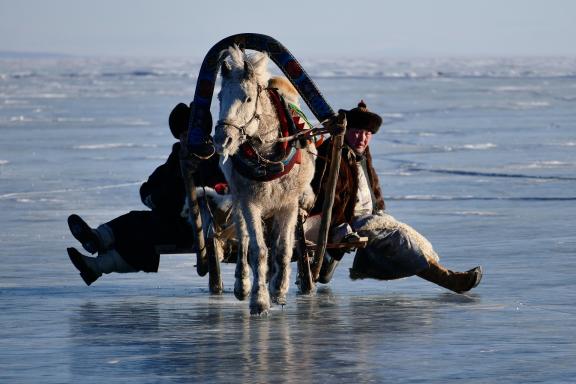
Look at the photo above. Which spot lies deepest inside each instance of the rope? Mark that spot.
(317, 130)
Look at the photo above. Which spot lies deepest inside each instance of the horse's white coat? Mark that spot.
(242, 97)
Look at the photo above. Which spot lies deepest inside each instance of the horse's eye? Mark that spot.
(248, 99)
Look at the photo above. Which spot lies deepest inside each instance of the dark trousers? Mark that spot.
(137, 233)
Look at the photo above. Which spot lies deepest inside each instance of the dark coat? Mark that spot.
(137, 233)
(347, 185)
(165, 186)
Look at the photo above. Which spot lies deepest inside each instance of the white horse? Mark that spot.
(247, 115)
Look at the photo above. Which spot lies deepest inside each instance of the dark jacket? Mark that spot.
(137, 233)
(347, 185)
(164, 190)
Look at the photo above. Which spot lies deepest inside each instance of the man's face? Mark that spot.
(358, 139)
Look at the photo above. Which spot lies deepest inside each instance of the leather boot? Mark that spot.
(328, 267)
(92, 240)
(458, 282)
(91, 268)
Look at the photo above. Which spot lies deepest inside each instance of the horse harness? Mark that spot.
(251, 164)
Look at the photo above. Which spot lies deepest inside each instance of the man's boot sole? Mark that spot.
(78, 261)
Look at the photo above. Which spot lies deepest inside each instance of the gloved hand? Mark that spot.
(148, 202)
(341, 123)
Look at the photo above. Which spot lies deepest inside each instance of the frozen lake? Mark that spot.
(479, 155)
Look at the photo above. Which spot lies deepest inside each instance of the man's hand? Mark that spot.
(148, 202)
(340, 122)
(337, 124)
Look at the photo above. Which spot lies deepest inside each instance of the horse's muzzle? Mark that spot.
(222, 142)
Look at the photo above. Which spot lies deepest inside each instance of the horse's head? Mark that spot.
(243, 81)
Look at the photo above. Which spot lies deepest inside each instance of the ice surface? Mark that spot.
(478, 155)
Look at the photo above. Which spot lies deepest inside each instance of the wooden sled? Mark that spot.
(311, 254)
(222, 248)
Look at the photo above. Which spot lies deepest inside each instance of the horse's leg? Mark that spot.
(285, 222)
(272, 235)
(258, 257)
(242, 284)
(307, 199)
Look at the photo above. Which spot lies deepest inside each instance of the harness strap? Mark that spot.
(253, 166)
(280, 108)
(302, 124)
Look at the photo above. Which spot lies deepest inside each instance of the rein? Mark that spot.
(303, 134)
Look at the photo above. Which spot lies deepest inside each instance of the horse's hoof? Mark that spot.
(260, 302)
(259, 309)
(241, 291)
(279, 299)
(241, 294)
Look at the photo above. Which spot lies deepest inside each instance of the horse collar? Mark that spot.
(250, 164)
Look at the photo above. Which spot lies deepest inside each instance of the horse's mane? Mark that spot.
(285, 88)
(256, 61)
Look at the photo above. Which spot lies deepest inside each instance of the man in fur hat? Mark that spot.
(128, 242)
(394, 249)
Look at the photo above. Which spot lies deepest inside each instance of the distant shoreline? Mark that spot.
(39, 55)
(33, 55)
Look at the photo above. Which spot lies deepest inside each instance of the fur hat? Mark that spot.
(361, 118)
(180, 117)
(178, 120)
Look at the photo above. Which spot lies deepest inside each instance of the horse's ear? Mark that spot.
(260, 64)
(225, 69)
(248, 70)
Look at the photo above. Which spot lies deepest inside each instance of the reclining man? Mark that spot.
(128, 243)
(394, 249)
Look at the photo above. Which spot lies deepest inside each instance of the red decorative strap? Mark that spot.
(279, 107)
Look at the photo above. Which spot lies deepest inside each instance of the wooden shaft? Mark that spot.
(304, 273)
(214, 274)
(336, 155)
(196, 219)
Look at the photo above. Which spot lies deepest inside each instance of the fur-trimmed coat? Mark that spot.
(347, 185)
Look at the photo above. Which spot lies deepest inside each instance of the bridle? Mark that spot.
(249, 162)
(242, 128)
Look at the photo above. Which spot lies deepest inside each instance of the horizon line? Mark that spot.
(15, 54)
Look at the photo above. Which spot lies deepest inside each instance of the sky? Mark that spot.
(367, 28)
